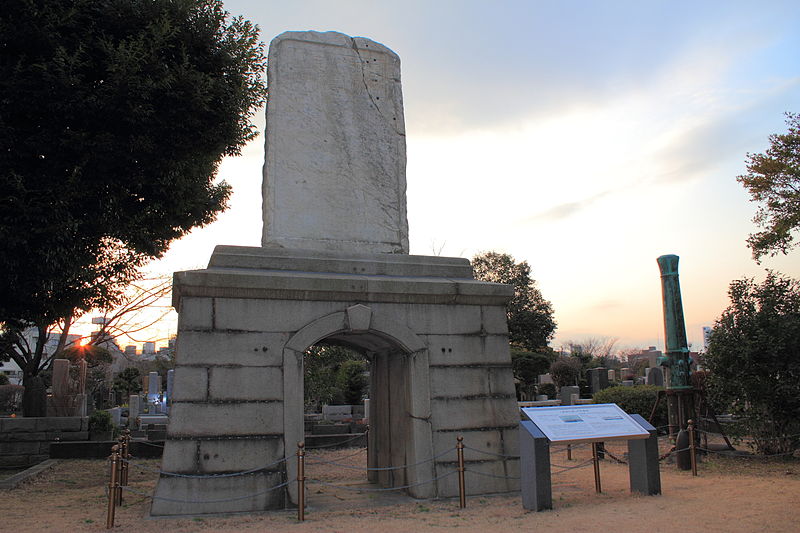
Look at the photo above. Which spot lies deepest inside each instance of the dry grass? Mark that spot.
(730, 495)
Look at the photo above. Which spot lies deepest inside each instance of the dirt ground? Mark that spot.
(729, 495)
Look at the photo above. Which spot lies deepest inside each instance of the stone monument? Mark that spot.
(334, 268)
(335, 155)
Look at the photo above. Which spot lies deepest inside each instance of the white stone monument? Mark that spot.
(335, 156)
(334, 268)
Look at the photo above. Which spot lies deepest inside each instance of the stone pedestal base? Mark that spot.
(437, 342)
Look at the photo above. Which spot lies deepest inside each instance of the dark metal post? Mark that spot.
(596, 461)
(569, 452)
(301, 481)
(113, 486)
(462, 497)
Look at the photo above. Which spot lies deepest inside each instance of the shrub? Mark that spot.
(754, 362)
(638, 399)
(4, 379)
(10, 398)
(100, 421)
(549, 389)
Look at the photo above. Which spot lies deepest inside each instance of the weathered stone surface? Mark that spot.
(270, 315)
(463, 381)
(181, 456)
(202, 419)
(230, 348)
(496, 481)
(195, 313)
(335, 157)
(425, 319)
(365, 264)
(246, 383)
(490, 443)
(240, 455)
(217, 495)
(473, 414)
(468, 350)
(190, 384)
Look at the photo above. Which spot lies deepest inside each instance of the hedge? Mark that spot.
(638, 399)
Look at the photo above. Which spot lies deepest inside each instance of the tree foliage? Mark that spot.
(114, 117)
(352, 381)
(128, 382)
(531, 325)
(327, 374)
(773, 180)
(754, 361)
(566, 371)
(527, 366)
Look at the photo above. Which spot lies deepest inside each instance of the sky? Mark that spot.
(586, 138)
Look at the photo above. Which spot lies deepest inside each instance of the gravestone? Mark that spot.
(337, 412)
(334, 269)
(655, 376)
(598, 379)
(134, 408)
(170, 383)
(627, 383)
(60, 381)
(566, 394)
(611, 375)
(334, 171)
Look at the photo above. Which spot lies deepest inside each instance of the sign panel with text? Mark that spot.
(577, 423)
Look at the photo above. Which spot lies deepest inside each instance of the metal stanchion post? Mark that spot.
(301, 481)
(121, 469)
(113, 486)
(569, 452)
(125, 454)
(596, 461)
(692, 448)
(462, 497)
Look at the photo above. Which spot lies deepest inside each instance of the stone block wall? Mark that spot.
(26, 441)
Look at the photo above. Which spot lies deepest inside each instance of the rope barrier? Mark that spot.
(378, 469)
(357, 452)
(581, 465)
(204, 476)
(491, 453)
(335, 443)
(487, 474)
(174, 500)
(370, 489)
(746, 455)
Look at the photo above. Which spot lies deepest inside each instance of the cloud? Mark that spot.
(566, 209)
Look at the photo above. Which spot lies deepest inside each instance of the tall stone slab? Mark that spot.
(335, 156)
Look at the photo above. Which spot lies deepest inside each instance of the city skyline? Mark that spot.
(587, 139)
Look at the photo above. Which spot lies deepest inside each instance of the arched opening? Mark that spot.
(398, 435)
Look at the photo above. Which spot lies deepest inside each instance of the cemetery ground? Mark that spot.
(731, 494)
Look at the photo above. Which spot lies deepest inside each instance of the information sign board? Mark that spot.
(585, 423)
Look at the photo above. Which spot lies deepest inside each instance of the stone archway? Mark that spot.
(400, 402)
(439, 338)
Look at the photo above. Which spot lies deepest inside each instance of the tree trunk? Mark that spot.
(34, 399)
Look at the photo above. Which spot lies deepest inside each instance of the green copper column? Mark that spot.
(680, 395)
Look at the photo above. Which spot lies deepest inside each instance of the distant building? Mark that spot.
(706, 337)
(13, 371)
